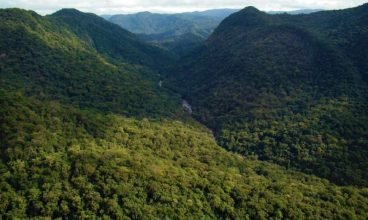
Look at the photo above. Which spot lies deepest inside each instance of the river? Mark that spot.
(187, 107)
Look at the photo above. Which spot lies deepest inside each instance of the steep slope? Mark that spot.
(60, 162)
(111, 40)
(289, 88)
(61, 57)
(86, 132)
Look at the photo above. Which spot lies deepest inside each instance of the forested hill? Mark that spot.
(291, 89)
(88, 130)
(111, 40)
(83, 60)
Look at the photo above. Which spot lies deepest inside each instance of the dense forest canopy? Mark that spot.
(91, 122)
(291, 89)
(71, 56)
(58, 161)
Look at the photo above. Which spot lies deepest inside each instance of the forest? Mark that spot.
(291, 89)
(92, 124)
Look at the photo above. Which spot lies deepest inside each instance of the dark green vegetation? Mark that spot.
(81, 59)
(290, 89)
(178, 33)
(111, 40)
(87, 132)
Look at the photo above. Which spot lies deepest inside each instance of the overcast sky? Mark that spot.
(171, 6)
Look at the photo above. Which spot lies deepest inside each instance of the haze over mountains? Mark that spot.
(92, 124)
(180, 32)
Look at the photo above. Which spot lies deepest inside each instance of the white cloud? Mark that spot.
(130, 6)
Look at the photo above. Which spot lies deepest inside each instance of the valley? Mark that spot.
(259, 116)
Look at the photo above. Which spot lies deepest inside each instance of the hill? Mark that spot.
(111, 40)
(86, 131)
(291, 89)
(84, 60)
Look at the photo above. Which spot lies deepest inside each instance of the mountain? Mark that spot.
(111, 40)
(88, 131)
(217, 13)
(153, 23)
(179, 33)
(84, 60)
(106, 16)
(176, 32)
(291, 89)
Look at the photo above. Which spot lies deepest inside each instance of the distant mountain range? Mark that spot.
(176, 32)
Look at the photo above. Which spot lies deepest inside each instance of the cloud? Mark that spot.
(130, 6)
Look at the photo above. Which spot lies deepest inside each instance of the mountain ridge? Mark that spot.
(89, 130)
(261, 72)
(65, 63)
(113, 44)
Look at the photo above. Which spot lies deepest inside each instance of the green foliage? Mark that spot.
(259, 76)
(61, 162)
(179, 45)
(329, 140)
(47, 58)
(111, 40)
(86, 132)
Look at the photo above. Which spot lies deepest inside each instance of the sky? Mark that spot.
(172, 6)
